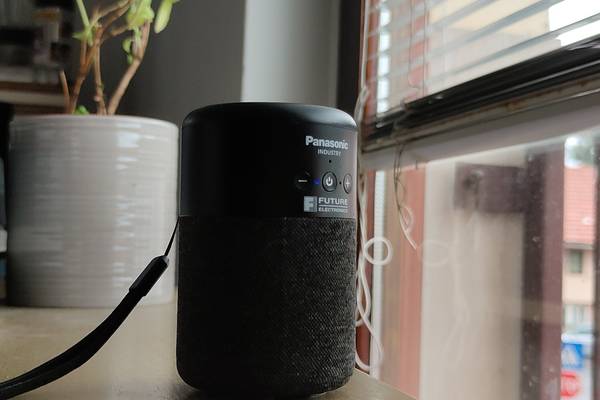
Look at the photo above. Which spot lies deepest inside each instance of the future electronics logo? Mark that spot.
(325, 204)
(327, 144)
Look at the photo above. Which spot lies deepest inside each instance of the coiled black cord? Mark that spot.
(83, 350)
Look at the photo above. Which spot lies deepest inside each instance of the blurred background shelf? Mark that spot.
(36, 37)
(32, 98)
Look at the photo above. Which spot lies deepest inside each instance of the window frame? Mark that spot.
(564, 98)
(349, 60)
(542, 80)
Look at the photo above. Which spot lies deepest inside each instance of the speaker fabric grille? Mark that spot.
(266, 306)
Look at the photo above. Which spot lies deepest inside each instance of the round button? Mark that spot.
(329, 181)
(347, 183)
(302, 180)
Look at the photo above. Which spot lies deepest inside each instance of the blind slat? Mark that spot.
(494, 56)
(413, 49)
(517, 47)
(444, 22)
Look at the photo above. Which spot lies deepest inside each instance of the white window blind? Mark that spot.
(420, 47)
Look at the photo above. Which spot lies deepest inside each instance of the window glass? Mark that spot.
(496, 299)
(575, 261)
(419, 47)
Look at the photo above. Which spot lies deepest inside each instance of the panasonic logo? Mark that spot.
(332, 144)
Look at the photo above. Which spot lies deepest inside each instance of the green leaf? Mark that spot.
(163, 15)
(127, 45)
(86, 34)
(81, 110)
(81, 35)
(139, 13)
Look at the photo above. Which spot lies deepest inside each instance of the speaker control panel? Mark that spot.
(326, 187)
(304, 180)
(269, 160)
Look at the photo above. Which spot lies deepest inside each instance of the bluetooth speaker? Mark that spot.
(267, 249)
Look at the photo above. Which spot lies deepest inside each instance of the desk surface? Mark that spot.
(137, 363)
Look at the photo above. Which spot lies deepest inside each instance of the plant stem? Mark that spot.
(138, 55)
(84, 69)
(99, 97)
(82, 52)
(65, 88)
(115, 32)
(112, 17)
(114, 7)
(83, 13)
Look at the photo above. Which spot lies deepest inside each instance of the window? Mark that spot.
(575, 261)
(577, 317)
(482, 124)
(462, 312)
(421, 47)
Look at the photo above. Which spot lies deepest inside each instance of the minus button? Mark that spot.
(302, 180)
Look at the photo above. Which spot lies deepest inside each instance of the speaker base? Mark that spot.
(230, 390)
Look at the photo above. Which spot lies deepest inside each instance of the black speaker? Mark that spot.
(267, 249)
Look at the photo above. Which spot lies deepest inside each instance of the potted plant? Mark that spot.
(91, 198)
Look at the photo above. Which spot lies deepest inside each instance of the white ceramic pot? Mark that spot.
(91, 199)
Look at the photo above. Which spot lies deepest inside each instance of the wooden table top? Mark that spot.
(137, 363)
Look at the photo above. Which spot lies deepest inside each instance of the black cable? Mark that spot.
(82, 351)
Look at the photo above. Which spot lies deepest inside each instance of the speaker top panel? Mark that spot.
(268, 160)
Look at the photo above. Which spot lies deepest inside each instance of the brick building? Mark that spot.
(579, 235)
